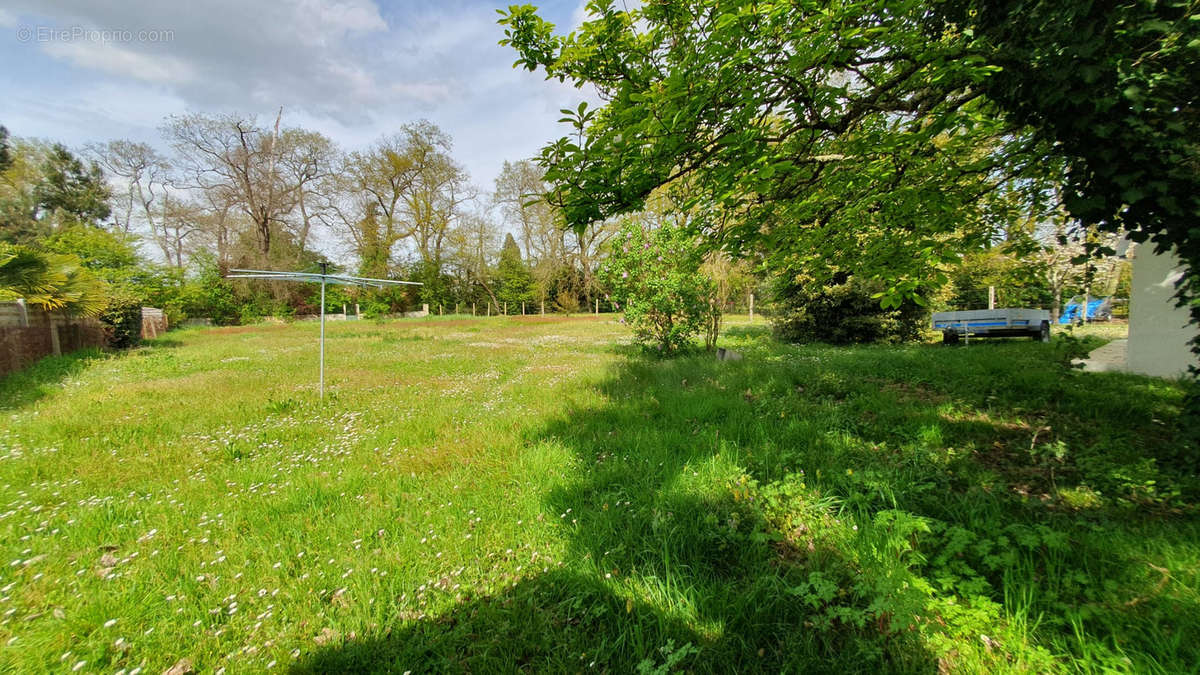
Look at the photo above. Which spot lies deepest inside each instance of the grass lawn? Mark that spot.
(494, 494)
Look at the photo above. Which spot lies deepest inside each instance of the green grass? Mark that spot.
(507, 493)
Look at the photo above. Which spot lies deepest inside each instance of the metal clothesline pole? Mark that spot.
(323, 277)
(322, 334)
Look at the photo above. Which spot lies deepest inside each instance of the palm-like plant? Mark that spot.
(51, 281)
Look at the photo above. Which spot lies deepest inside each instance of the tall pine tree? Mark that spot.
(515, 279)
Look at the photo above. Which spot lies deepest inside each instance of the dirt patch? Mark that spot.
(906, 391)
(239, 330)
(531, 320)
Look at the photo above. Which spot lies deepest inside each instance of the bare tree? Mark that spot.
(474, 246)
(216, 223)
(307, 161)
(144, 175)
(231, 155)
(520, 194)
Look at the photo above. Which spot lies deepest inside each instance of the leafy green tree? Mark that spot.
(5, 154)
(513, 276)
(113, 255)
(654, 274)
(844, 137)
(19, 210)
(210, 295)
(72, 189)
(843, 310)
(1113, 86)
(864, 130)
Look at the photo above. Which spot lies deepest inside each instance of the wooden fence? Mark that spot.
(154, 322)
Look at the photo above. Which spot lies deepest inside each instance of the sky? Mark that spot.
(80, 71)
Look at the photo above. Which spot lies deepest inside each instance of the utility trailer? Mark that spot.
(1034, 323)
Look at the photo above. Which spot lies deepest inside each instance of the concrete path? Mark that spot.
(1109, 358)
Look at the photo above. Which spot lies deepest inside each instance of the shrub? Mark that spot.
(210, 296)
(656, 275)
(122, 321)
(567, 302)
(842, 312)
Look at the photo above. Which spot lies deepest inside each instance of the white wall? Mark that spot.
(1158, 330)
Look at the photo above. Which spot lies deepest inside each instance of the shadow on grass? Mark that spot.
(847, 510)
(32, 383)
(162, 343)
(28, 385)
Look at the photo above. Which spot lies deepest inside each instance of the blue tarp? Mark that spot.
(1071, 313)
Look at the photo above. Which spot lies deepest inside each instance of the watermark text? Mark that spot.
(82, 34)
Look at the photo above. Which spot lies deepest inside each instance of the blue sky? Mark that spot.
(352, 69)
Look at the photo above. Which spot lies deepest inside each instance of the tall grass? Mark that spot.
(515, 493)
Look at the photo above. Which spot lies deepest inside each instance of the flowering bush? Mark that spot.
(655, 275)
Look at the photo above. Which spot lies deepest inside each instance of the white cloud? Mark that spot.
(426, 92)
(347, 68)
(118, 60)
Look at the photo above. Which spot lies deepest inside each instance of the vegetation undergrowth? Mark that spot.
(491, 494)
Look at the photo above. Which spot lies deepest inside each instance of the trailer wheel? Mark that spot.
(1044, 333)
(949, 337)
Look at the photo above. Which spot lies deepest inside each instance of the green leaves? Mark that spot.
(831, 137)
(654, 274)
(53, 281)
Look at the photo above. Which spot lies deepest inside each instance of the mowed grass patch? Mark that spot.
(495, 494)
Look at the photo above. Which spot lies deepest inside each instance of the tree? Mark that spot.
(520, 193)
(829, 137)
(19, 208)
(819, 114)
(655, 275)
(5, 151)
(843, 310)
(473, 248)
(307, 160)
(405, 188)
(512, 275)
(215, 218)
(168, 217)
(730, 278)
(72, 189)
(1113, 87)
(231, 156)
(46, 187)
(52, 281)
(145, 175)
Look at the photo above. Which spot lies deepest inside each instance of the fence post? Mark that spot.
(597, 306)
(472, 309)
(55, 346)
(751, 306)
(543, 308)
(522, 308)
